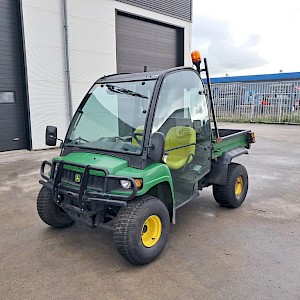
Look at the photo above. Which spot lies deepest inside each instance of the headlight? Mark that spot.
(126, 184)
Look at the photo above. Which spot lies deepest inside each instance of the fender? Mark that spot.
(219, 167)
(152, 175)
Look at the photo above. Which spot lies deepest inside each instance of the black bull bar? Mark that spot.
(83, 193)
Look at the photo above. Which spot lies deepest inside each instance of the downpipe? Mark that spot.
(67, 58)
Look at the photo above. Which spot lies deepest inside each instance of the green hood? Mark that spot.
(111, 164)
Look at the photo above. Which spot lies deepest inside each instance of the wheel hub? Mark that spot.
(151, 231)
(239, 186)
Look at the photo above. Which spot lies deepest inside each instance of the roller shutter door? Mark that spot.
(12, 102)
(143, 42)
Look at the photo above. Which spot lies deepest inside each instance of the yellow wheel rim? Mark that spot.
(239, 186)
(151, 231)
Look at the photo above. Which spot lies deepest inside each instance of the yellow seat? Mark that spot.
(139, 134)
(176, 137)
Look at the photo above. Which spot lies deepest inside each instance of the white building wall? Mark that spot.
(44, 50)
(92, 43)
(92, 47)
(92, 38)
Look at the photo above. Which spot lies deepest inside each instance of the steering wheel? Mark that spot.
(139, 140)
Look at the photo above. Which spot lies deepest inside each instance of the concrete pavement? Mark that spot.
(252, 252)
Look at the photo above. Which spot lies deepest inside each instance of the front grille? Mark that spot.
(72, 177)
(69, 176)
(96, 182)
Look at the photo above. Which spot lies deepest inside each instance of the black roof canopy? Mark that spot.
(139, 76)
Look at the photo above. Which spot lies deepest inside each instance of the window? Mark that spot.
(7, 97)
(181, 102)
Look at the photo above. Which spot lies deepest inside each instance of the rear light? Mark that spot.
(252, 137)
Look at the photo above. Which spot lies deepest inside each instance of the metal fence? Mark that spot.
(271, 102)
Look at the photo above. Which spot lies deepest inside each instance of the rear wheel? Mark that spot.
(234, 192)
(50, 212)
(141, 229)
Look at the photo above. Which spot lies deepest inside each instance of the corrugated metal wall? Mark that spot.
(180, 9)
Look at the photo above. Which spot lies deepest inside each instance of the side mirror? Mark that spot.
(156, 150)
(51, 135)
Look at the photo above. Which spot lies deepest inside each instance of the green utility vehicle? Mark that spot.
(139, 147)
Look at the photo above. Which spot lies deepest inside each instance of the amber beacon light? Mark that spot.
(196, 59)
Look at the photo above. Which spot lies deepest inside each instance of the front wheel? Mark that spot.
(232, 194)
(50, 212)
(141, 229)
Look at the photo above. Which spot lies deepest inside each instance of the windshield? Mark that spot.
(112, 117)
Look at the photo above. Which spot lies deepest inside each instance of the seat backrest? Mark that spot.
(180, 136)
(139, 131)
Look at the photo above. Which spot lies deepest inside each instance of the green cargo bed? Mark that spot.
(230, 139)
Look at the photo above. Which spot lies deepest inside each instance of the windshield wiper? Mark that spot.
(120, 90)
(76, 142)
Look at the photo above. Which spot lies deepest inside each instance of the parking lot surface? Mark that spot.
(252, 252)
